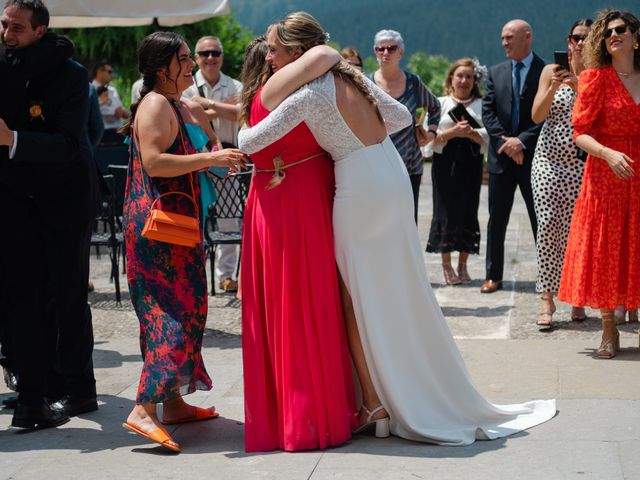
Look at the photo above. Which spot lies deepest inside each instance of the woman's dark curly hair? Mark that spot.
(595, 49)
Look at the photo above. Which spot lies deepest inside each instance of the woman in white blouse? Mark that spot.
(456, 171)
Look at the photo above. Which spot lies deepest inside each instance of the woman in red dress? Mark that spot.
(297, 372)
(603, 250)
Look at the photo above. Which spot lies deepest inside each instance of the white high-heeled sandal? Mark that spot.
(382, 424)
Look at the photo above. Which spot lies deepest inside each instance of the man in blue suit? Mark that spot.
(49, 197)
(506, 114)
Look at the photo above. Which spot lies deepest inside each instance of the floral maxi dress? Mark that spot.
(167, 283)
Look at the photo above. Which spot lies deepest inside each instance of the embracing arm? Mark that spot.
(289, 114)
(314, 63)
(396, 116)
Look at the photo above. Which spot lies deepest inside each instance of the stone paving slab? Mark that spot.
(595, 434)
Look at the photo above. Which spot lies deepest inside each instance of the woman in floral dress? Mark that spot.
(167, 282)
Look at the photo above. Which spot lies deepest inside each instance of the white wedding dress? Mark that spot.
(413, 360)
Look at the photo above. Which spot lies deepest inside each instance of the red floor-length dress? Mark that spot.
(603, 251)
(298, 385)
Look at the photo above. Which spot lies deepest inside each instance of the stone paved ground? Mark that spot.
(595, 435)
(507, 314)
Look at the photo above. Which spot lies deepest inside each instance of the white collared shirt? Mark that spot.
(108, 110)
(227, 130)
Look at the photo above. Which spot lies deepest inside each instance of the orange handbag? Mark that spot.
(171, 227)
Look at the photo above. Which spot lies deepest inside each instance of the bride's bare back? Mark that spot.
(358, 113)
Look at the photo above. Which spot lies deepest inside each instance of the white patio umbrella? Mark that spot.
(129, 13)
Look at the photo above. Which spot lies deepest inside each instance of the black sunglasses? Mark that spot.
(389, 48)
(209, 53)
(620, 29)
(577, 38)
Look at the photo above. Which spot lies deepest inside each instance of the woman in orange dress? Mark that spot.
(604, 242)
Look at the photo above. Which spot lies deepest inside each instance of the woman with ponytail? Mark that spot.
(167, 282)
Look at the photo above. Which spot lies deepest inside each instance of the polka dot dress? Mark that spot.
(556, 176)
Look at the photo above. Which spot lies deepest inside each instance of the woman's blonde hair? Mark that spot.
(462, 62)
(301, 31)
(255, 72)
(595, 50)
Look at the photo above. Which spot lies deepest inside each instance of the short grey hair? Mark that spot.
(210, 37)
(386, 35)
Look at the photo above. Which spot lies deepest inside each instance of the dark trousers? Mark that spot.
(49, 320)
(416, 179)
(502, 188)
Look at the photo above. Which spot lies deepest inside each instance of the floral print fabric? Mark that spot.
(167, 283)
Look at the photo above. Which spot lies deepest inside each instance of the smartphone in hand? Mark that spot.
(562, 59)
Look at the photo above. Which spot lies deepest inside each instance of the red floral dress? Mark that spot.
(167, 283)
(603, 251)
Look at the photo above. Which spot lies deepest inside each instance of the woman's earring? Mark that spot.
(635, 44)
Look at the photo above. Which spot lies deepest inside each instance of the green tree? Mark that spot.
(119, 45)
(370, 64)
(432, 69)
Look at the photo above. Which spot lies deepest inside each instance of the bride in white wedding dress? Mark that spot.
(413, 361)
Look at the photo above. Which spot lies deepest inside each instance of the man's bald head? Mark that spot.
(517, 36)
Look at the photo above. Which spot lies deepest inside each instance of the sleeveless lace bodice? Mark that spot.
(315, 104)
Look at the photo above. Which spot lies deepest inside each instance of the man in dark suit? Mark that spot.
(506, 114)
(49, 197)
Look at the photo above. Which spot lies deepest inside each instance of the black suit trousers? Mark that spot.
(502, 188)
(46, 271)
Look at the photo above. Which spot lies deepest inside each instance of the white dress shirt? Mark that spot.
(227, 130)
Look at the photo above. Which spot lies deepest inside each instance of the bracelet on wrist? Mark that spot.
(601, 152)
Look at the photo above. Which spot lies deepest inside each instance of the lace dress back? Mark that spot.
(315, 105)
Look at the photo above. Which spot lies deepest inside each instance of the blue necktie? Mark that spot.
(515, 103)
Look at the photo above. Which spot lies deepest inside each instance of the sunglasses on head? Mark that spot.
(577, 38)
(620, 29)
(388, 48)
(209, 53)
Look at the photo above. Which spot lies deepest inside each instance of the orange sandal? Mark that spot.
(159, 435)
(199, 414)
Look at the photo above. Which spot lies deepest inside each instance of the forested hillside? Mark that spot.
(450, 28)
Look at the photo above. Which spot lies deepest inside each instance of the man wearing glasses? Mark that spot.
(113, 113)
(220, 96)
